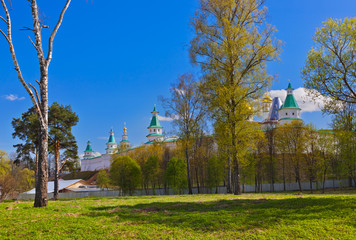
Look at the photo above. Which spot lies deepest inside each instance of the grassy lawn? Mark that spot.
(249, 216)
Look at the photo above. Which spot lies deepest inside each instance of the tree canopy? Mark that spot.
(330, 68)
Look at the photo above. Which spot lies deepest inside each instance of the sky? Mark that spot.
(113, 59)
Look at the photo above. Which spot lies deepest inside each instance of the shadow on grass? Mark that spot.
(238, 214)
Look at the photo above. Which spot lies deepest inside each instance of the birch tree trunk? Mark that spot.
(39, 100)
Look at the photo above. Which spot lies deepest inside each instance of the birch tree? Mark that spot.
(39, 98)
(232, 44)
(185, 106)
(331, 64)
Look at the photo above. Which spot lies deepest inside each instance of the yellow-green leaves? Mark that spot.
(331, 67)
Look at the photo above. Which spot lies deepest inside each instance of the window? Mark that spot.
(293, 114)
(286, 113)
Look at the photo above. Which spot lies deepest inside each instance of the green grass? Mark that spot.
(249, 216)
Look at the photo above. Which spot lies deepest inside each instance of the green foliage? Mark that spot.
(215, 171)
(13, 178)
(176, 174)
(208, 216)
(150, 170)
(232, 45)
(125, 173)
(61, 119)
(330, 68)
(103, 180)
(27, 129)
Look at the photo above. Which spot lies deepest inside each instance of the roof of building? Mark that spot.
(267, 99)
(111, 138)
(290, 101)
(155, 121)
(154, 134)
(274, 113)
(62, 184)
(289, 86)
(88, 149)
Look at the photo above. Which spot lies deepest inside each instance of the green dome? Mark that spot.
(88, 149)
(111, 138)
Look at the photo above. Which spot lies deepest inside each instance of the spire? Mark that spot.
(155, 128)
(290, 101)
(88, 153)
(88, 149)
(290, 86)
(111, 138)
(125, 139)
(155, 121)
(125, 129)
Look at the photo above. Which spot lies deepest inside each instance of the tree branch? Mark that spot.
(37, 96)
(17, 67)
(51, 38)
(32, 42)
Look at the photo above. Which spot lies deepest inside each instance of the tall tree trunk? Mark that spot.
(284, 175)
(229, 185)
(311, 185)
(197, 177)
(190, 191)
(42, 175)
(56, 170)
(324, 177)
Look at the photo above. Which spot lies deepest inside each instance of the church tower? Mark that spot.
(111, 145)
(155, 128)
(289, 110)
(266, 106)
(88, 153)
(125, 139)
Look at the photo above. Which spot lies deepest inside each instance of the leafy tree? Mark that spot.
(344, 125)
(27, 129)
(186, 107)
(312, 154)
(125, 173)
(232, 45)
(39, 100)
(327, 145)
(61, 121)
(13, 178)
(176, 174)
(294, 139)
(103, 180)
(150, 170)
(331, 64)
(215, 172)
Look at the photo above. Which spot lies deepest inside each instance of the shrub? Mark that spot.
(125, 173)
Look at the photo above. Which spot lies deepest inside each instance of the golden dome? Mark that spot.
(267, 99)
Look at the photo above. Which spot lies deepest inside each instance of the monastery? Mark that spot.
(274, 111)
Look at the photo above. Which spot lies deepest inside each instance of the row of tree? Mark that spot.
(292, 152)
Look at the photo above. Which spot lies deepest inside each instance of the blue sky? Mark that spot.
(112, 59)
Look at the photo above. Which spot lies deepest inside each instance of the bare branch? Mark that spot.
(32, 42)
(37, 96)
(4, 35)
(17, 67)
(51, 38)
(3, 19)
(26, 29)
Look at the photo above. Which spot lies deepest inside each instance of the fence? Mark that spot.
(278, 187)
